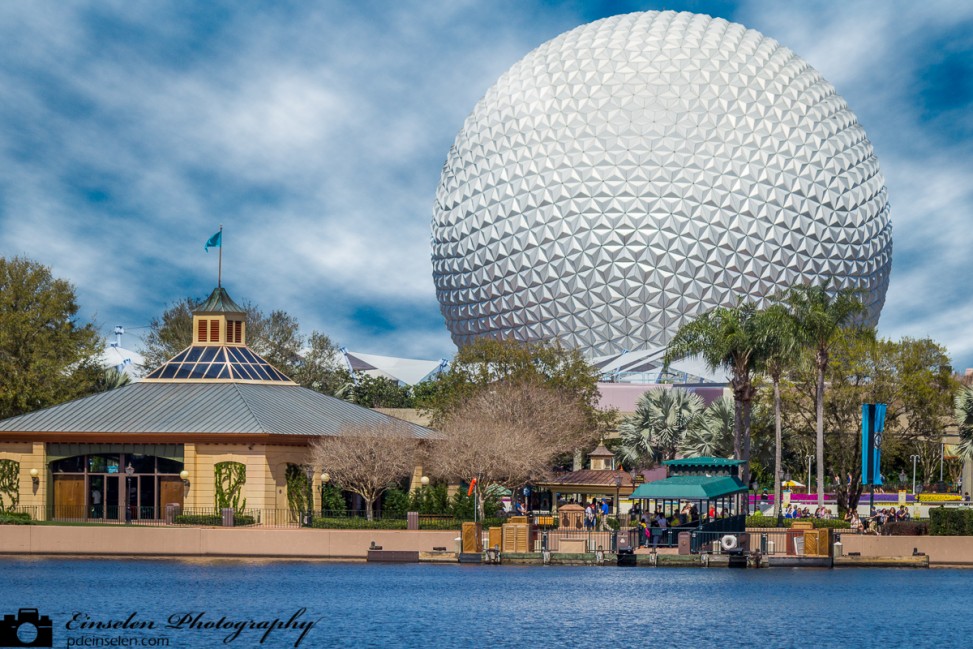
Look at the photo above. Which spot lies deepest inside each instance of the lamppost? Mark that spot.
(618, 485)
(129, 470)
(308, 517)
(809, 458)
(942, 458)
(914, 458)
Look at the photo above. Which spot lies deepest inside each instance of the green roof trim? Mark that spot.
(690, 487)
(703, 461)
(219, 301)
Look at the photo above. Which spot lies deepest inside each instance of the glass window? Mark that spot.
(183, 371)
(147, 496)
(169, 466)
(192, 354)
(141, 463)
(103, 463)
(69, 465)
(209, 353)
(243, 371)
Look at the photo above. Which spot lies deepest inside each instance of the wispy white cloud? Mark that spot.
(315, 132)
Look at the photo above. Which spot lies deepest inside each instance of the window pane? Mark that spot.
(141, 463)
(103, 463)
(169, 466)
(69, 465)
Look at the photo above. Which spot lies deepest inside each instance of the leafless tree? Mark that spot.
(367, 459)
(508, 434)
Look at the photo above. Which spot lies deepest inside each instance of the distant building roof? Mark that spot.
(407, 371)
(625, 396)
(590, 478)
(645, 366)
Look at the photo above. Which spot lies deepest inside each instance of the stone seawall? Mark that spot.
(27, 540)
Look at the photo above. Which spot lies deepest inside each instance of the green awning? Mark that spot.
(703, 461)
(61, 450)
(690, 487)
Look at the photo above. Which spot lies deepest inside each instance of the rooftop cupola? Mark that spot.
(219, 321)
(219, 352)
(601, 458)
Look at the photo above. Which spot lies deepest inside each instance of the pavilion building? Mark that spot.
(215, 422)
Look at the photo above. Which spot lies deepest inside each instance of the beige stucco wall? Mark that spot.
(31, 455)
(942, 550)
(266, 486)
(213, 542)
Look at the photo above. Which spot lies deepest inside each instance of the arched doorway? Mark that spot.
(115, 486)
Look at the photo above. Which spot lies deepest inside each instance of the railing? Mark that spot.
(213, 517)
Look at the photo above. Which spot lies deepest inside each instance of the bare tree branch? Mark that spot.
(367, 459)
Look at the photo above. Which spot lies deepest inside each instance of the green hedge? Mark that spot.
(15, 518)
(950, 522)
(359, 523)
(214, 520)
(819, 523)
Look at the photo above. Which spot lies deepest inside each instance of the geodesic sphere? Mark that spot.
(640, 170)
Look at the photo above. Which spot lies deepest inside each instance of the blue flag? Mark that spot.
(215, 241)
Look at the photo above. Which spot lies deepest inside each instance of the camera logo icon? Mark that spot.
(28, 629)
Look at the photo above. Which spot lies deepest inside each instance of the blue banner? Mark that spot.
(873, 426)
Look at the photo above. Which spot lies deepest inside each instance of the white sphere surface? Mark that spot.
(637, 171)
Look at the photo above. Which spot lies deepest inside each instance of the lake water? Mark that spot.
(421, 605)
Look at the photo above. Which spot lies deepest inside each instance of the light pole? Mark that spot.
(914, 458)
(942, 458)
(129, 470)
(618, 485)
(809, 458)
(309, 472)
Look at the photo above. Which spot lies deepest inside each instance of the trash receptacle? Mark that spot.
(227, 517)
(172, 510)
(412, 520)
(684, 543)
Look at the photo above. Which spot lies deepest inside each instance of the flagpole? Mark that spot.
(219, 271)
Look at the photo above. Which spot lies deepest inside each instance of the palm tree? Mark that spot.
(727, 338)
(714, 438)
(661, 420)
(111, 379)
(964, 420)
(782, 350)
(821, 314)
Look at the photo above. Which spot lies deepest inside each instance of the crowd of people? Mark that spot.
(877, 520)
(794, 511)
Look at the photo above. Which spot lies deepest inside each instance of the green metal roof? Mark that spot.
(690, 487)
(219, 301)
(703, 461)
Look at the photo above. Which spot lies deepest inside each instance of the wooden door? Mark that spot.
(69, 496)
(170, 492)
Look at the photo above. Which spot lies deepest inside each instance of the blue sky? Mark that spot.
(315, 134)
